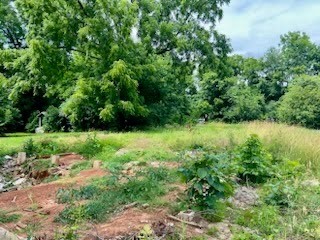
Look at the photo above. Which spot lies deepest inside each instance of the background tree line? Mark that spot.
(118, 64)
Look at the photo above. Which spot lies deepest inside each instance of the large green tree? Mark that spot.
(114, 63)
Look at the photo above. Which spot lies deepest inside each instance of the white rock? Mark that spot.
(19, 181)
(311, 183)
(7, 157)
(6, 235)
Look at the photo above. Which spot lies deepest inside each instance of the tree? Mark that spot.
(301, 104)
(111, 63)
(245, 104)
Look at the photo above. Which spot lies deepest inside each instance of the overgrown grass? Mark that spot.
(106, 196)
(8, 218)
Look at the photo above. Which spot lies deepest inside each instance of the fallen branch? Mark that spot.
(185, 222)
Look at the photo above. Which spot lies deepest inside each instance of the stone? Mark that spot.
(187, 216)
(55, 159)
(244, 197)
(39, 130)
(97, 164)
(19, 181)
(7, 157)
(6, 235)
(121, 152)
(1, 186)
(22, 157)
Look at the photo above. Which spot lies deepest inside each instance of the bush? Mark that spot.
(29, 147)
(254, 161)
(207, 182)
(280, 193)
(301, 104)
(33, 122)
(54, 121)
(90, 147)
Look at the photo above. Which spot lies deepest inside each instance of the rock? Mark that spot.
(186, 216)
(245, 197)
(7, 157)
(146, 205)
(1, 186)
(55, 159)
(19, 181)
(97, 164)
(311, 183)
(39, 130)
(130, 165)
(6, 235)
(22, 157)
(121, 152)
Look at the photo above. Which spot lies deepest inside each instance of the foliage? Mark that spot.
(254, 161)
(301, 104)
(110, 195)
(54, 121)
(207, 182)
(281, 193)
(8, 218)
(29, 147)
(246, 104)
(265, 218)
(90, 147)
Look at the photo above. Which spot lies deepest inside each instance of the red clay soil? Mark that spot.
(69, 159)
(129, 221)
(41, 199)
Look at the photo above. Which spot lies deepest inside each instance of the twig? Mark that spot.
(14, 199)
(185, 222)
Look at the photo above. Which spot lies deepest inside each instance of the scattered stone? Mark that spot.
(7, 157)
(19, 181)
(121, 152)
(245, 197)
(6, 235)
(187, 216)
(22, 157)
(146, 205)
(1, 186)
(97, 164)
(311, 183)
(130, 165)
(55, 159)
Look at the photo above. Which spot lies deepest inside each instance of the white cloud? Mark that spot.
(254, 26)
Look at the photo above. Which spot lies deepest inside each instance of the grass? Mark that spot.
(8, 218)
(287, 210)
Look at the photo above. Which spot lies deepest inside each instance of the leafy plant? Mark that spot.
(281, 193)
(254, 161)
(207, 182)
(90, 147)
(29, 147)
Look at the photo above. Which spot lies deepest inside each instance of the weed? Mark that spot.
(254, 161)
(90, 147)
(29, 147)
(266, 219)
(207, 182)
(8, 218)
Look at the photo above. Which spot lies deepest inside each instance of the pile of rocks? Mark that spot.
(12, 175)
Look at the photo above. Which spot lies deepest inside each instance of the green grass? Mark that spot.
(8, 218)
(287, 209)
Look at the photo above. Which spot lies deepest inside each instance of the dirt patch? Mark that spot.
(37, 204)
(129, 221)
(69, 159)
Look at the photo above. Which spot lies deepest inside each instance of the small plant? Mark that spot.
(254, 161)
(90, 147)
(29, 147)
(8, 218)
(281, 193)
(207, 182)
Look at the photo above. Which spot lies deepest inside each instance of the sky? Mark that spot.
(253, 26)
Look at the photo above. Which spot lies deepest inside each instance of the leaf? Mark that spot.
(202, 172)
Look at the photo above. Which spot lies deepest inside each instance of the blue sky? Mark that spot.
(255, 25)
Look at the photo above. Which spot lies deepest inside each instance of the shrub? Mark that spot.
(207, 182)
(90, 147)
(254, 161)
(54, 121)
(33, 122)
(29, 147)
(280, 193)
(301, 104)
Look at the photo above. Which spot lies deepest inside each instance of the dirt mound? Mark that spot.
(69, 159)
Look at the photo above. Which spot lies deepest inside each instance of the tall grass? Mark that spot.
(291, 142)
